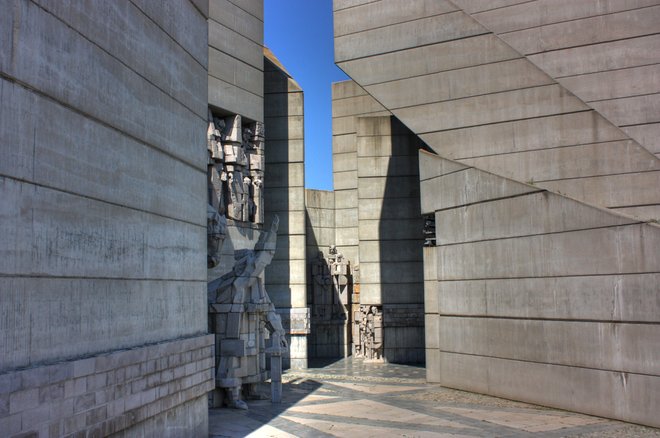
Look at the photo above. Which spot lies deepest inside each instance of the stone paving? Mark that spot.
(356, 399)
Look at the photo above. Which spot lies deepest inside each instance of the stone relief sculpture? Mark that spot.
(330, 303)
(243, 317)
(235, 168)
(368, 333)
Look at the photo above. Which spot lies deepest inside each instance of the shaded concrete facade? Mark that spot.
(103, 288)
(374, 219)
(543, 284)
(103, 300)
(285, 197)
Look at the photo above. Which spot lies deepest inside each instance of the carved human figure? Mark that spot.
(244, 317)
(216, 230)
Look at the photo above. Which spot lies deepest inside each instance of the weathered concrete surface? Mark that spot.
(236, 61)
(577, 116)
(102, 230)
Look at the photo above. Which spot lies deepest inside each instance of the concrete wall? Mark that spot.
(390, 233)
(542, 114)
(284, 194)
(102, 220)
(517, 102)
(320, 229)
(349, 100)
(235, 57)
(554, 302)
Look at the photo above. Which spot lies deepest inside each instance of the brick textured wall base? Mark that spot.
(113, 393)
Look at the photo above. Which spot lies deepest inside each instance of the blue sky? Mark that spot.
(299, 32)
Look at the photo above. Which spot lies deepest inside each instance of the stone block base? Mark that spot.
(157, 390)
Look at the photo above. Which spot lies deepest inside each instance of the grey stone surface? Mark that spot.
(361, 18)
(99, 85)
(427, 30)
(571, 276)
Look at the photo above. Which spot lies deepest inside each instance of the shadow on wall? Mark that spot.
(324, 343)
(400, 243)
(276, 190)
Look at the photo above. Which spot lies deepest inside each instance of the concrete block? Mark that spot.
(461, 83)
(444, 56)
(388, 166)
(596, 298)
(352, 106)
(283, 175)
(613, 26)
(344, 89)
(636, 110)
(321, 238)
(524, 135)
(431, 296)
(284, 128)
(391, 272)
(535, 213)
(403, 145)
(433, 365)
(346, 199)
(401, 209)
(432, 331)
(648, 212)
(237, 19)
(170, 249)
(576, 161)
(320, 199)
(611, 190)
(646, 135)
(346, 218)
(476, 186)
(401, 36)
(389, 188)
(320, 218)
(394, 229)
(283, 272)
(76, 159)
(284, 151)
(183, 23)
(391, 250)
(623, 249)
(613, 346)
(370, 15)
(430, 263)
(162, 306)
(230, 98)
(291, 222)
(347, 236)
(176, 130)
(525, 16)
(596, 392)
(432, 166)
(290, 247)
(236, 45)
(614, 84)
(285, 199)
(344, 162)
(345, 180)
(288, 295)
(344, 143)
(158, 58)
(283, 104)
(492, 108)
(233, 71)
(599, 57)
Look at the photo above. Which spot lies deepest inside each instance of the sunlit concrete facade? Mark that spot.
(543, 180)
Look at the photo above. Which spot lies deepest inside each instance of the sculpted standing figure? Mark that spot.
(242, 316)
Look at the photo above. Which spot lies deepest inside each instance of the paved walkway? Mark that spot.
(355, 399)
